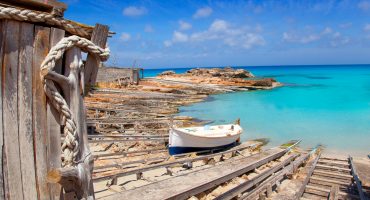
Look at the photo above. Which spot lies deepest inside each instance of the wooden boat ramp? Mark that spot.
(332, 178)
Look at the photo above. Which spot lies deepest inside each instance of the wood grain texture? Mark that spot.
(2, 28)
(41, 49)
(54, 128)
(25, 111)
(98, 37)
(39, 5)
(10, 111)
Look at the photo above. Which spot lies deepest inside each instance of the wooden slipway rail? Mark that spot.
(266, 180)
(332, 178)
(179, 159)
(185, 186)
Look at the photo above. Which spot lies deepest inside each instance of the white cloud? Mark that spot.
(219, 25)
(221, 32)
(364, 5)
(203, 12)
(327, 36)
(184, 25)
(148, 28)
(367, 27)
(125, 37)
(295, 38)
(133, 11)
(179, 37)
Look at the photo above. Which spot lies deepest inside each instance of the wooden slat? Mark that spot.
(328, 191)
(333, 168)
(331, 163)
(54, 129)
(25, 111)
(10, 111)
(41, 45)
(331, 174)
(326, 180)
(98, 37)
(2, 35)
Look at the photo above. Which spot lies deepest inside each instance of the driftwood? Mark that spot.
(71, 84)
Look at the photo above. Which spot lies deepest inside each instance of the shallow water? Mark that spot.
(328, 105)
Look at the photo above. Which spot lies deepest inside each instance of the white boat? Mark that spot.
(184, 140)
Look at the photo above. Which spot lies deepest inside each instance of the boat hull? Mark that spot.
(180, 150)
(181, 142)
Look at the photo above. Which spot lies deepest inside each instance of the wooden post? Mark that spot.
(74, 98)
(99, 37)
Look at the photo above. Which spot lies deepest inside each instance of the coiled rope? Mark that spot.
(70, 146)
(41, 17)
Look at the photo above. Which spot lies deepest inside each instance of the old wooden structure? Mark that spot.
(43, 82)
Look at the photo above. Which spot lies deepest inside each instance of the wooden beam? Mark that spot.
(235, 191)
(25, 110)
(333, 168)
(301, 190)
(38, 5)
(331, 174)
(98, 37)
(357, 179)
(129, 152)
(130, 140)
(327, 181)
(73, 95)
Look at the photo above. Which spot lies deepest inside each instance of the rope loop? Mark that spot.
(70, 146)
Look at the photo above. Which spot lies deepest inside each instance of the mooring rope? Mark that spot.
(70, 146)
(40, 17)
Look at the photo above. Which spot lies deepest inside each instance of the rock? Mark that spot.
(226, 72)
(167, 73)
(267, 82)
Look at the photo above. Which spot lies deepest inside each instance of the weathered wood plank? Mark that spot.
(190, 184)
(54, 128)
(98, 37)
(41, 49)
(25, 111)
(39, 5)
(10, 111)
(2, 35)
(333, 195)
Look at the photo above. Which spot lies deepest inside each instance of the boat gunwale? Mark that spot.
(200, 136)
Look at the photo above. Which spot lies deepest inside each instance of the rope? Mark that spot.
(70, 144)
(39, 17)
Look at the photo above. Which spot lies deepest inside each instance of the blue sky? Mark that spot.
(194, 33)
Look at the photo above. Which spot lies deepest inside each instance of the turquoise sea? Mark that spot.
(328, 105)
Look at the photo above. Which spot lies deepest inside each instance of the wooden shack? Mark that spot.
(44, 152)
